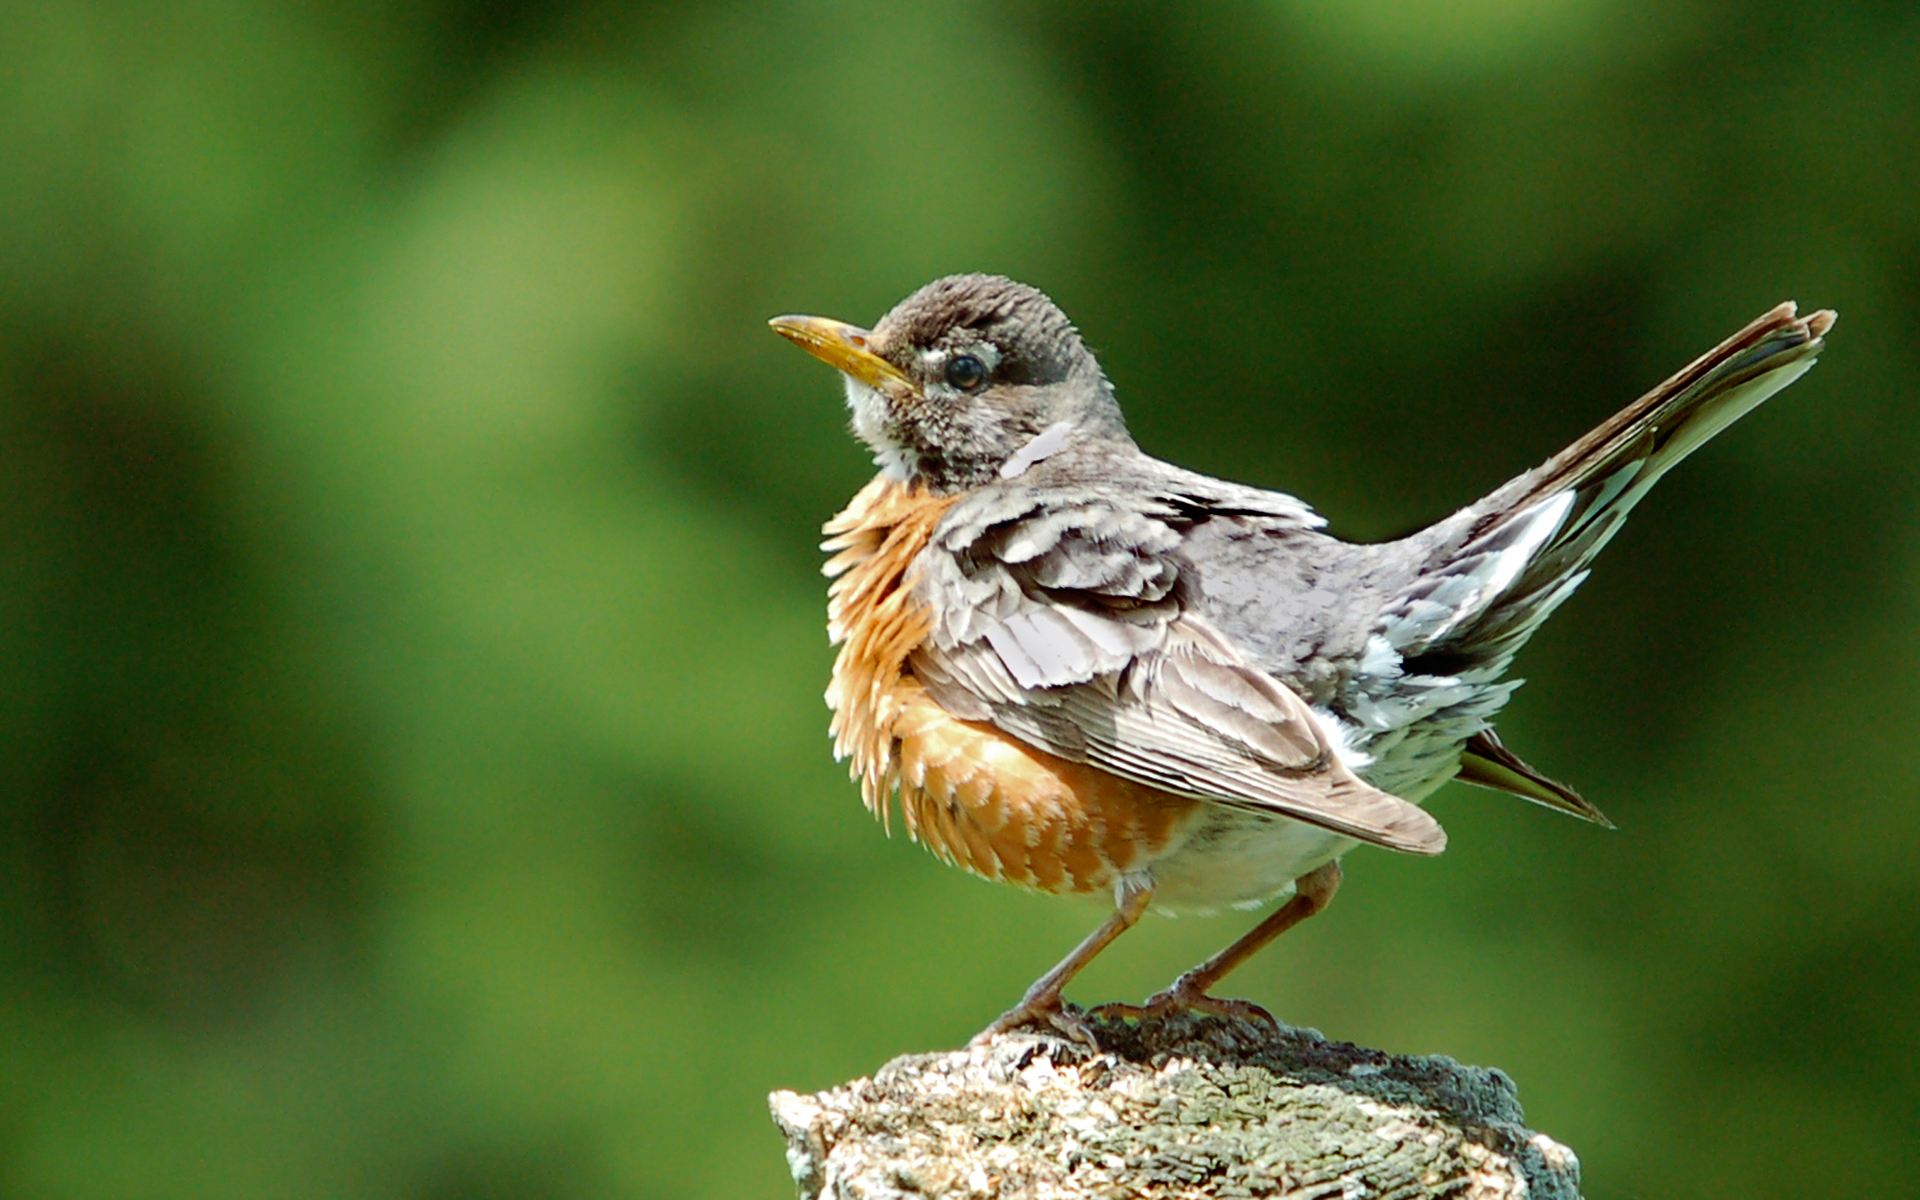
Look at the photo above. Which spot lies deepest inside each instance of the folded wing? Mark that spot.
(1064, 627)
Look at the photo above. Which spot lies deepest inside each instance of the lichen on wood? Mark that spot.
(1185, 1106)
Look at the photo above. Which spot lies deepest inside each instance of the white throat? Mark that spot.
(869, 409)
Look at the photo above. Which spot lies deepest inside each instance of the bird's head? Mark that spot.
(971, 378)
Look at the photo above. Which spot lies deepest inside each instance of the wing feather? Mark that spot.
(1063, 625)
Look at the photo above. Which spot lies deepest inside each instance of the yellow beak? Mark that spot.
(840, 345)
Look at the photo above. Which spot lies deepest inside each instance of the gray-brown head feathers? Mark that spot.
(991, 364)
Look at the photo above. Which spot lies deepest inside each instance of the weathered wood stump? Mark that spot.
(1187, 1106)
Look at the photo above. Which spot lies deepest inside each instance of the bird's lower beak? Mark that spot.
(839, 345)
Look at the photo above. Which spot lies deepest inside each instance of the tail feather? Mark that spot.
(1491, 573)
(1596, 481)
(1616, 463)
(1486, 762)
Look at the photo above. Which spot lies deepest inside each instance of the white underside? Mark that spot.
(1236, 858)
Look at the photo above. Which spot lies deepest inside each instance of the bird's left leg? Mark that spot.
(1041, 1005)
(1311, 893)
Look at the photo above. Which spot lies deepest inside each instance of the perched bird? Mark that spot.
(1084, 669)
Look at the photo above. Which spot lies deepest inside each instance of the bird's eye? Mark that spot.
(966, 372)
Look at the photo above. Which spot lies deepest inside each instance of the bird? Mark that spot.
(1084, 670)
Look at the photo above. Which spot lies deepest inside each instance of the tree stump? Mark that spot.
(1185, 1106)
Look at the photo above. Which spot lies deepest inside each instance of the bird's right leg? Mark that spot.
(1192, 991)
(1041, 1005)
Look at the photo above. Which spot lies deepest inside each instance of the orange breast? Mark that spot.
(978, 797)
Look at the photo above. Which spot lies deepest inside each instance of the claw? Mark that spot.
(1048, 1013)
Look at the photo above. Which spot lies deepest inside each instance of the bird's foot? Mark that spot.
(1188, 994)
(1044, 1014)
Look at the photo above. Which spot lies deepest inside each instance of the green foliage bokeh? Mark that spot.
(413, 778)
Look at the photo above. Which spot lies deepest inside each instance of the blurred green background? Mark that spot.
(413, 775)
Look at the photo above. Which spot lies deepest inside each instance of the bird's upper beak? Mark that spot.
(840, 345)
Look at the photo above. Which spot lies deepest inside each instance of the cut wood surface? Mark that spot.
(1185, 1106)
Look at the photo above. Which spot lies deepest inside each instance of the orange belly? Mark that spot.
(976, 796)
(1001, 809)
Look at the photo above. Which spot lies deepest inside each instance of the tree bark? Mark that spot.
(1185, 1106)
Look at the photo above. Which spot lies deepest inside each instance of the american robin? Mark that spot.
(1082, 668)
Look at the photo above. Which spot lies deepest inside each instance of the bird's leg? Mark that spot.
(1041, 1004)
(1311, 893)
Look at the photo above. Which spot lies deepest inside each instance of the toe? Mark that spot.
(1117, 1012)
(1245, 1010)
(1042, 1016)
(1183, 996)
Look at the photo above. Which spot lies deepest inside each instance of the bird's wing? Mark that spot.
(1062, 624)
